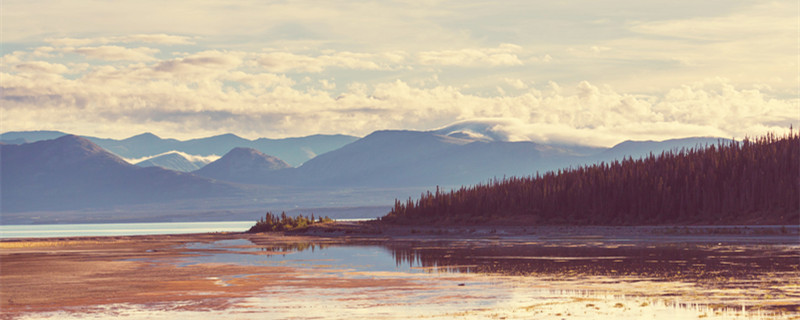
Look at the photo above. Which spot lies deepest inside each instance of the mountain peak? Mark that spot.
(19, 137)
(241, 156)
(75, 143)
(61, 154)
(147, 136)
(172, 161)
(476, 130)
(243, 165)
(243, 151)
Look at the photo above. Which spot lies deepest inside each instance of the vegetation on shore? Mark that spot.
(752, 181)
(282, 222)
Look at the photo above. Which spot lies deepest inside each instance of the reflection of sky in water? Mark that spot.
(665, 260)
(438, 294)
(346, 258)
(119, 229)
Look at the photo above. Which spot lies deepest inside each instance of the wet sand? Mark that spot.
(76, 274)
(87, 275)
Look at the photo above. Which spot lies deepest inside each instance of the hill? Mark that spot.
(295, 151)
(243, 165)
(172, 161)
(451, 157)
(73, 173)
(752, 181)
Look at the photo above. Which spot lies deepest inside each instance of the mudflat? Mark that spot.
(465, 273)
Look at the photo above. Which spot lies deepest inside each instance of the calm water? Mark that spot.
(496, 279)
(531, 278)
(120, 229)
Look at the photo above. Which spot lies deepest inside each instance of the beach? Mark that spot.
(448, 273)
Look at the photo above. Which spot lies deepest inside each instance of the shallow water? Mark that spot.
(119, 229)
(502, 279)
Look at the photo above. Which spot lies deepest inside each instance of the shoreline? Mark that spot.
(78, 274)
(369, 229)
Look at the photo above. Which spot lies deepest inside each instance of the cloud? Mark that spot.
(206, 93)
(116, 53)
(654, 70)
(515, 83)
(40, 67)
(200, 64)
(191, 157)
(504, 55)
(161, 38)
(771, 18)
(283, 62)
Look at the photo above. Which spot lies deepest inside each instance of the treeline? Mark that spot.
(283, 222)
(751, 181)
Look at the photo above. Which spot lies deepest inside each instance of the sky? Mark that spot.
(583, 71)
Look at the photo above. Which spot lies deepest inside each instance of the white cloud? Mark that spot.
(116, 53)
(327, 85)
(191, 157)
(40, 67)
(515, 83)
(161, 38)
(205, 94)
(767, 19)
(201, 64)
(504, 55)
(349, 67)
(283, 62)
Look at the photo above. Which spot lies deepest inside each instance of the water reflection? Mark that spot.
(487, 279)
(665, 260)
(692, 261)
(714, 278)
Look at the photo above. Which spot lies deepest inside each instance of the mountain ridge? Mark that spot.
(71, 172)
(242, 165)
(294, 150)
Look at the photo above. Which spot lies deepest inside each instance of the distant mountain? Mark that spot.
(138, 146)
(451, 157)
(244, 165)
(752, 182)
(73, 173)
(20, 137)
(461, 154)
(295, 151)
(639, 149)
(413, 158)
(477, 130)
(172, 161)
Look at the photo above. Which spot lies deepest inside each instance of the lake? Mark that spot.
(124, 229)
(533, 276)
(120, 229)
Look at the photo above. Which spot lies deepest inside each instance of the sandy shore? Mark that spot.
(73, 273)
(76, 274)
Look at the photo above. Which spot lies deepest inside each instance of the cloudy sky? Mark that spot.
(585, 71)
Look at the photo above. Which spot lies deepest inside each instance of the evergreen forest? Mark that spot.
(753, 181)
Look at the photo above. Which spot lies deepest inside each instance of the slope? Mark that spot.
(243, 165)
(743, 182)
(73, 173)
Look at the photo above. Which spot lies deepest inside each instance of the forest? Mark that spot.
(753, 181)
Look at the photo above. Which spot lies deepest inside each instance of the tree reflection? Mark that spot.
(691, 261)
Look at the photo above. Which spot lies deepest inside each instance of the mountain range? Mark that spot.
(71, 172)
(243, 165)
(75, 173)
(294, 151)
(428, 158)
